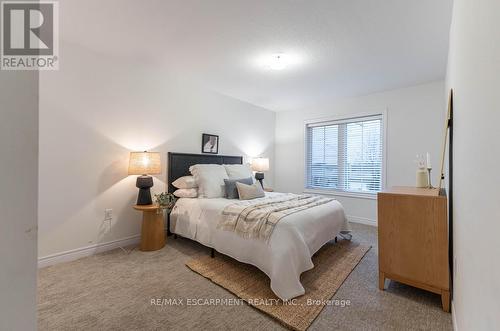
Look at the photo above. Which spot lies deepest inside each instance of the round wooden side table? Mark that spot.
(153, 228)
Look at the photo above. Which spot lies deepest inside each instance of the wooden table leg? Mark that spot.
(445, 300)
(381, 280)
(152, 231)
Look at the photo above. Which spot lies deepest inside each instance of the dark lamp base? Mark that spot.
(260, 177)
(144, 183)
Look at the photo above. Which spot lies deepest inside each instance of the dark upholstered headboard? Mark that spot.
(179, 163)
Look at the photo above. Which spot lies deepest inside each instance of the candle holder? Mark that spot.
(429, 171)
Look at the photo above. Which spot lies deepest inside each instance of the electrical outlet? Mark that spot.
(108, 214)
(106, 225)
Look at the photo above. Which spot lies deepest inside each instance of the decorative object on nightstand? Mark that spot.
(153, 228)
(144, 164)
(413, 239)
(260, 165)
(164, 201)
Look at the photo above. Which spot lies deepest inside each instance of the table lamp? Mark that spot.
(260, 165)
(144, 164)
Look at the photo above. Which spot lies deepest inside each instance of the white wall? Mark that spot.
(474, 74)
(18, 198)
(415, 125)
(94, 111)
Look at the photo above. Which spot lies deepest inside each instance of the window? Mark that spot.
(345, 155)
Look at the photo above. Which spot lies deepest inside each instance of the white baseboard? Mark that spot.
(361, 220)
(453, 317)
(78, 253)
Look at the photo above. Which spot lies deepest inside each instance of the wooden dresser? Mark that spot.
(413, 239)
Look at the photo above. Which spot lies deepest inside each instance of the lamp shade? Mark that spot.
(260, 164)
(144, 163)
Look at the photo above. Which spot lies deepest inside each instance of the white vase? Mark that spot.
(422, 177)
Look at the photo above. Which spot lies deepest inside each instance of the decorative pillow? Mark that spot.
(231, 190)
(247, 192)
(238, 171)
(185, 182)
(210, 180)
(186, 193)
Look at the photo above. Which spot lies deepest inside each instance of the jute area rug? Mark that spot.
(333, 263)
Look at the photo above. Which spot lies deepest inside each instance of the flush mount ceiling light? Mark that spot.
(278, 62)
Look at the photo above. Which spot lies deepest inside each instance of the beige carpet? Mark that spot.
(333, 263)
(113, 291)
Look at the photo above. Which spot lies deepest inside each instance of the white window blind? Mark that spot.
(345, 155)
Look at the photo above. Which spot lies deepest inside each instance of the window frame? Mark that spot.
(344, 119)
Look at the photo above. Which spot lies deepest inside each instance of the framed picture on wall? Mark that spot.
(209, 143)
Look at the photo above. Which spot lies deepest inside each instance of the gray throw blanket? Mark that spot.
(258, 218)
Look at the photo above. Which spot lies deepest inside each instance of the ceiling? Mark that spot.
(344, 47)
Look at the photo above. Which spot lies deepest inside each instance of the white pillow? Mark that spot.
(186, 193)
(210, 180)
(239, 171)
(185, 182)
(248, 192)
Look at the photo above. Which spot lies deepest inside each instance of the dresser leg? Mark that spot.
(381, 280)
(445, 300)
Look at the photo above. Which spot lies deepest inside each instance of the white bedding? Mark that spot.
(294, 240)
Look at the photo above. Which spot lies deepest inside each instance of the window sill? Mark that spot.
(368, 196)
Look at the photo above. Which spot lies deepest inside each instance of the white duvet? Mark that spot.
(287, 254)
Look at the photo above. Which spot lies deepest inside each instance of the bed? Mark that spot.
(287, 253)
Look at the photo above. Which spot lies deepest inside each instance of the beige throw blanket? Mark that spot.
(258, 218)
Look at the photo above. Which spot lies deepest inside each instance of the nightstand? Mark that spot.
(267, 189)
(153, 228)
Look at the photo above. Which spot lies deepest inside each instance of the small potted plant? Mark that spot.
(164, 201)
